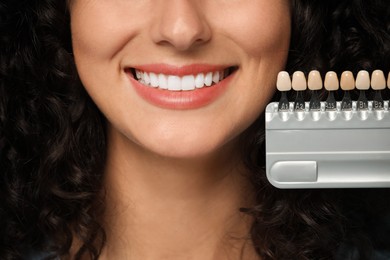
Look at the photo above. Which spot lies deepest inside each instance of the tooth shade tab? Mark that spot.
(331, 81)
(347, 81)
(378, 81)
(180, 83)
(283, 82)
(388, 80)
(314, 80)
(363, 80)
(299, 82)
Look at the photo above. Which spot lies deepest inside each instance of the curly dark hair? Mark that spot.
(324, 224)
(53, 139)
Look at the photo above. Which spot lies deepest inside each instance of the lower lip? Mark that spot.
(181, 100)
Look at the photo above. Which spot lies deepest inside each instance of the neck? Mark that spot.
(169, 208)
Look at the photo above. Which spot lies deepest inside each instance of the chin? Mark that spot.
(188, 149)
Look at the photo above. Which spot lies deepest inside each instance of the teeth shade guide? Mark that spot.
(376, 83)
(331, 84)
(283, 84)
(314, 83)
(388, 80)
(362, 84)
(347, 83)
(345, 141)
(299, 84)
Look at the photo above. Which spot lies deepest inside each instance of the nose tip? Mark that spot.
(183, 34)
(181, 24)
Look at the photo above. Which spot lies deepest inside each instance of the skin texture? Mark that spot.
(110, 35)
(173, 178)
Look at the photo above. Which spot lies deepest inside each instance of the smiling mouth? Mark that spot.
(181, 83)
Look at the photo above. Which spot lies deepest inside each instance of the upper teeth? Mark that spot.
(178, 83)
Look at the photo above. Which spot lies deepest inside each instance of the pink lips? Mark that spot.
(180, 99)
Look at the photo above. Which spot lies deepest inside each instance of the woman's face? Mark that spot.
(148, 64)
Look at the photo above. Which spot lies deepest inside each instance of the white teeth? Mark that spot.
(188, 83)
(208, 79)
(163, 81)
(174, 83)
(146, 78)
(199, 80)
(184, 83)
(153, 80)
(216, 77)
(138, 74)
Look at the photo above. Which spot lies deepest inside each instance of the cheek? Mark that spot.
(100, 30)
(264, 37)
(263, 27)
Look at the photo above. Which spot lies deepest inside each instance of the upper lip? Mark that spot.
(168, 69)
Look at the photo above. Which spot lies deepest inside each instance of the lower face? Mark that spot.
(182, 79)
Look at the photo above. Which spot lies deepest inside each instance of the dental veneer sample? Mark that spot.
(283, 84)
(378, 83)
(315, 84)
(299, 84)
(331, 84)
(362, 83)
(347, 83)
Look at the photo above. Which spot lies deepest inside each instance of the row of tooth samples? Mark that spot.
(332, 84)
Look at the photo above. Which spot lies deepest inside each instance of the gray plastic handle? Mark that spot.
(328, 149)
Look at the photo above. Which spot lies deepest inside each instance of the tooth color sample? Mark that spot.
(347, 81)
(283, 82)
(378, 81)
(388, 80)
(331, 81)
(363, 80)
(314, 80)
(299, 81)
